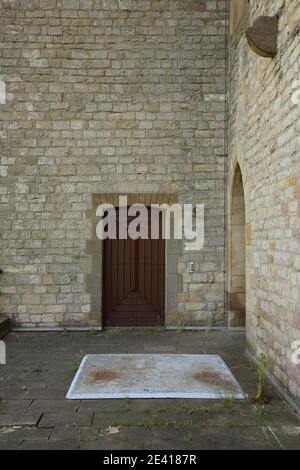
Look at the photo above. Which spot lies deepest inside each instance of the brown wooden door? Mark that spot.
(134, 282)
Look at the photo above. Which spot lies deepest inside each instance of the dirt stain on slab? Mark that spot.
(215, 379)
(103, 375)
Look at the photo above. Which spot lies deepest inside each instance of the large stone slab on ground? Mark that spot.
(154, 376)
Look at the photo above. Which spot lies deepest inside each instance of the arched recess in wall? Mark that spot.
(237, 253)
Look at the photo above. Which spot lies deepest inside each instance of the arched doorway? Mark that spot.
(237, 254)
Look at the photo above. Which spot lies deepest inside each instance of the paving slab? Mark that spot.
(80, 433)
(50, 445)
(46, 406)
(14, 406)
(20, 433)
(19, 419)
(9, 445)
(50, 420)
(133, 438)
(159, 348)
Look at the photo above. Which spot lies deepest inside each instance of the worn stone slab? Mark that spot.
(69, 418)
(9, 445)
(125, 438)
(80, 433)
(50, 445)
(19, 419)
(53, 406)
(160, 348)
(154, 376)
(14, 406)
(132, 418)
(22, 433)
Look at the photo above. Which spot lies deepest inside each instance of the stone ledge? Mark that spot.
(5, 326)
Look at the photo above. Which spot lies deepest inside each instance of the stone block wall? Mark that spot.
(264, 141)
(106, 96)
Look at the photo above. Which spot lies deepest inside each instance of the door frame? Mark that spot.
(94, 251)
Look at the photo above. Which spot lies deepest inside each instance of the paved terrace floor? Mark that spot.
(34, 413)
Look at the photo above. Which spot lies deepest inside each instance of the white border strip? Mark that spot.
(70, 392)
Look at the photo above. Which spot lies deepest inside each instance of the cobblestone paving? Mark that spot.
(34, 413)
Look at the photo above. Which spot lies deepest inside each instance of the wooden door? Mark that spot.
(134, 282)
